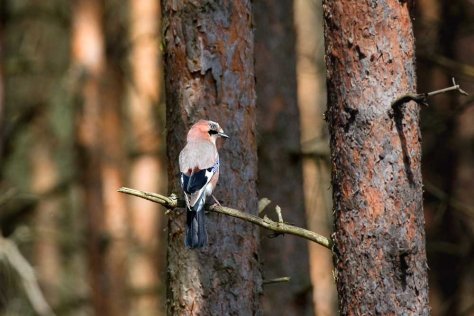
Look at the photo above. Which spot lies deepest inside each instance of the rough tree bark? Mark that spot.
(279, 165)
(210, 74)
(379, 237)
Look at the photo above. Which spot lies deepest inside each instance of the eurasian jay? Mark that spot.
(199, 167)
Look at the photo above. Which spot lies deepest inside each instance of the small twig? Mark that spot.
(276, 280)
(422, 97)
(453, 87)
(215, 200)
(7, 196)
(278, 211)
(444, 197)
(451, 65)
(173, 202)
(27, 275)
(262, 204)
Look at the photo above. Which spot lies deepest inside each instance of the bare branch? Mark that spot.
(10, 251)
(452, 65)
(173, 202)
(262, 204)
(422, 97)
(445, 198)
(276, 280)
(278, 211)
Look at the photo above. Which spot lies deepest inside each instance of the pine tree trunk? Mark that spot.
(280, 167)
(311, 77)
(380, 254)
(87, 141)
(147, 170)
(100, 144)
(209, 74)
(2, 81)
(449, 164)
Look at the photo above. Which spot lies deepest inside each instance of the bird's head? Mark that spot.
(209, 130)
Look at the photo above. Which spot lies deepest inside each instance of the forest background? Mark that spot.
(82, 88)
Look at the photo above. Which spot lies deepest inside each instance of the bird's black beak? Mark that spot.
(221, 134)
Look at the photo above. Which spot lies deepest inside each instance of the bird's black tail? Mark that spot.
(196, 236)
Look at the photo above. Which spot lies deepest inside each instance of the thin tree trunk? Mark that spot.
(280, 169)
(311, 74)
(449, 163)
(209, 74)
(146, 166)
(379, 236)
(2, 80)
(464, 171)
(87, 50)
(44, 184)
(116, 217)
(99, 141)
(426, 28)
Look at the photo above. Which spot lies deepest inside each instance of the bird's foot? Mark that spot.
(217, 202)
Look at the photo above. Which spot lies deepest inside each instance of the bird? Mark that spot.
(199, 172)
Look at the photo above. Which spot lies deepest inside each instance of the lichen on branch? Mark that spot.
(172, 202)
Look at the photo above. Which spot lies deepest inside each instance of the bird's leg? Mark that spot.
(216, 200)
(186, 198)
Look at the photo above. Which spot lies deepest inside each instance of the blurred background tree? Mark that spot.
(280, 170)
(82, 113)
(445, 46)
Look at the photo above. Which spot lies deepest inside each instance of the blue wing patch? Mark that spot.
(194, 182)
(197, 180)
